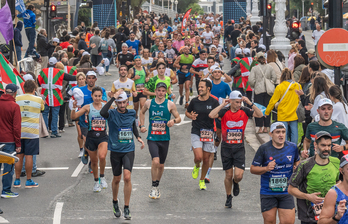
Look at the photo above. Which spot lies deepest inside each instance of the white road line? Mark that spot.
(53, 168)
(3, 220)
(171, 168)
(77, 170)
(58, 213)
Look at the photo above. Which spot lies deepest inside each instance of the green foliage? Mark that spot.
(85, 16)
(183, 5)
(297, 4)
(195, 8)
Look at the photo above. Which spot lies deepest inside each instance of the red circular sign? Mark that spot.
(332, 47)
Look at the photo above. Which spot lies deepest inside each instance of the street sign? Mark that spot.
(332, 48)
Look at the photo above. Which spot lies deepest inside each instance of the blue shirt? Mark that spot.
(221, 90)
(120, 131)
(279, 177)
(29, 18)
(87, 99)
(134, 44)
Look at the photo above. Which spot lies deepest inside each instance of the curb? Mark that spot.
(261, 141)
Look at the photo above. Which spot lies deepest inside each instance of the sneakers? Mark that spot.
(30, 184)
(17, 183)
(9, 194)
(181, 100)
(235, 188)
(55, 135)
(195, 172)
(228, 203)
(117, 211)
(62, 131)
(96, 187)
(84, 158)
(207, 180)
(202, 185)
(103, 183)
(154, 194)
(81, 153)
(38, 173)
(126, 214)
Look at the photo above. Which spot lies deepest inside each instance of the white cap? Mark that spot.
(55, 40)
(85, 53)
(277, 125)
(235, 95)
(78, 96)
(28, 77)
(91, 73)
(263, 47)
(213, 46)
(121, 97)
(52, 61)
(106, 61)
(217, 68)
(246, 51)
(238, 51)
(324, 101)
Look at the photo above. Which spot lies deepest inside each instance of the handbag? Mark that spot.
(43, 133)
(269, 84)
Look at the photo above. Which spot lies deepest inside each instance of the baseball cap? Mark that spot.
(277, 125)
(324, 101)
(52, 61)
(263, 47)
(161, 84)
(85, 53)
(310, 51)
(91, 73)
(235, 95)
(78, 96)
(260, 55)
(121, 97)
(246, 51)
(322, 134)
(344, 161)
(213, 46)
(11, 88)
(28, 77)
(238, 51)
(55, 40)
(217, 68)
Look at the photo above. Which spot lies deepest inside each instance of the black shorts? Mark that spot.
(283, 201)
(84, 131)
(92, 143)
(119, 159)
(158, 149)
(232, 156)
(183, 77)
(140, 95)
(30, 147)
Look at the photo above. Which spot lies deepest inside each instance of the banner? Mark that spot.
(184, 20)
(6, 28)
(9, 74)
(20, 6)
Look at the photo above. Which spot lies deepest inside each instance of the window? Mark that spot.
(205, 8)
(220, 9)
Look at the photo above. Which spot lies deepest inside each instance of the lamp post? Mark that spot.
(302, 8)
(176, 6)
(255, 13)
(172, 1)
(248, 7)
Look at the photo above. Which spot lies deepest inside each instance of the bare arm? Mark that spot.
(306, 144)
(258, 170)
(142, 115)
(130, 74)
(227, 78)
(177, 62)
(173, 110)
(215, 113)
(328, 210)
(79, 113)
(148, 93)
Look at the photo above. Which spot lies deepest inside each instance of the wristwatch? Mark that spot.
(334, 218)
(251, 105)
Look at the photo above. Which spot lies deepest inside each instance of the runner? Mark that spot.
(169, 72)
(146, 60)
(207, 37)
(305, 183)
(202, 132)
(184, 63)
(160, 33)
(218, 57)
(125, 57)
(198, 66)
(97, 138)
(122, 126)
(275, 162)
(160, 110)
(233, 122)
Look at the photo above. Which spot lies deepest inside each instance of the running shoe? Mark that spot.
(207, 180)
(9, 194)
(17, 183)
(228, 203)
(186, 105)
(195, 172)
(89, 167)
(30, 184)
(84, 158)
(61, 131)
(117, 211)
(38, 173)
(55, 135)
(153, 193)
(202, 185)
(126, 214)
(158, 194)
(96, 187)
(191, 93)
(81, 153)
(235, 188)
(181, 100)
(103, 183)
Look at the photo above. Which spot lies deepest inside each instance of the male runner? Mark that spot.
(146, 60)
(275, 162)
(160, 110)
(233, 122)
(202, 132)
(122, 126)
(198, 66)
(124, 57)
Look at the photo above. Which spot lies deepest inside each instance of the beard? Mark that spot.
(321, 154)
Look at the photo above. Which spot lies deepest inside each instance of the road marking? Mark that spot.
(3, 220)
(171, 168)
(53, 168)
(77, 170)
(58, 213)
(182, 116)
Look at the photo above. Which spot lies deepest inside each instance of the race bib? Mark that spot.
(317, 209)
(125, 135)
(234, 136)
(140, 87)
(206, 135)
(98, 124)
(129, 94)
(278, 183)
(158, 127)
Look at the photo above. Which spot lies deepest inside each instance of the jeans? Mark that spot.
(104, 56)
(31, 33)
(34, 165)
(62, 116)
(55, 112)
(293, 134)
(7, 179)
(96, 59)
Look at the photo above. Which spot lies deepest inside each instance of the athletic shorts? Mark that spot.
(158, 149)
(183, 77)
(206, 146)
(92, 143)
(283, 201)
(30, 147)
(140, 95)
(84, 131)
(232, 156)
(119, 159)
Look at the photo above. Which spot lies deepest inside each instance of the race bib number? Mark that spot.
(140, 87)
(206, 135)
(278, 183)
(317, 209)
(98, 124)
(234, 136)
(125, 135)
(158, 127)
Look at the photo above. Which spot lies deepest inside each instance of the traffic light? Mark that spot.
(53, 11)
(334, 16)
(295, 30)
(269, 9)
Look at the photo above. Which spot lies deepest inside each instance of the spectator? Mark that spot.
(301, 45)
(119, 39)
(18, 40)
(292, 54)
(319, 90)
(107, 46)
(51, 46)
(70, 51)
(317, 34)
(82, 43)
(277, 66)
(311, 55)
(95, 56)
(42, 47)
(146, 37)
(66, 42)
(298, 65)
(126, 29)
(29, 19)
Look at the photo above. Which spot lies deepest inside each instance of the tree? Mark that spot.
(84, 16)
(183, 4)
(195, 8)
(136, 6)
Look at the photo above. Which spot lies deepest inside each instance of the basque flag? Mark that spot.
(184, 20)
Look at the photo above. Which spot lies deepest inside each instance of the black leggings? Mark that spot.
(158, 149)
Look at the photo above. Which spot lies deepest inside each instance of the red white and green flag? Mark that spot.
(9, 74)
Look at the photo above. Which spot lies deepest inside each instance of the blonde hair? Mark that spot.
(286, 75)
(80, 74)
(294, 48)
(60, 65)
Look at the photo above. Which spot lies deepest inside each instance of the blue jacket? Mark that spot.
(29, 18)
(17, 34)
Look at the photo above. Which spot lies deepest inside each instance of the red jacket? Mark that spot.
(10, 120)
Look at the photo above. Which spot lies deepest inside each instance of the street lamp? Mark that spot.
(172, 1)
(176, 5)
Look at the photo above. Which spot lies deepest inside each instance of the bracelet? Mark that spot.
(174, 120)
(142, 126)
(252, 105)
(334, 218)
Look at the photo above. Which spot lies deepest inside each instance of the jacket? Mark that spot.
(146, 38)
(10, 120)
(95, 40)
(17, 34)
(50, 49)
(256, 79)
(29, 18)
(278, 68)
(42, 45)
(298, 72)
(288, 106)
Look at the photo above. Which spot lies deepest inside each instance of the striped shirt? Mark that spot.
(31, 107)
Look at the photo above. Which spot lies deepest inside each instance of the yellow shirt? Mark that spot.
(128, 87)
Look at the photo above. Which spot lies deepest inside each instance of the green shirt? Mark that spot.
(151, 84)
(337, 130)
(139, 83)
(159, 116)
(154, 48)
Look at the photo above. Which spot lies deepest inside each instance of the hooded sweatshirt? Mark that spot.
(18, 35)
(29, 18)
(10, 120)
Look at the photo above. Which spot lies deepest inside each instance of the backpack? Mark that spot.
(104, 45)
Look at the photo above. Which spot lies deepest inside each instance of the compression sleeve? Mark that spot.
(105, 110)
(135, 130)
